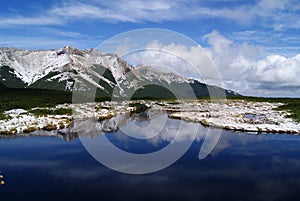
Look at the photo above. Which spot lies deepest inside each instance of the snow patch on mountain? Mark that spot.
(32, 65)
(90, 67)
(151, 73)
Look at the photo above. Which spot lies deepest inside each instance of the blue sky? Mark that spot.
(267, 28)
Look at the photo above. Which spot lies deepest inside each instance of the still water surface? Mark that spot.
(241, 167)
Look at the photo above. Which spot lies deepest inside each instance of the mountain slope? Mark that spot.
(59, 69)
(2, 86)
(9, 77)
(31, 66)
(180, 86)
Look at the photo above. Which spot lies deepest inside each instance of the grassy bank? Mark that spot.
(30, 98)
(291, 105)
(60, 111)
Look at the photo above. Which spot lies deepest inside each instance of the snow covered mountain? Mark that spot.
(153, 74)
(59, 69)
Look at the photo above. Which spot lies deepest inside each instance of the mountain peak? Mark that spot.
(70, 50)
(59, 69)
(65, 64)
(169, 77)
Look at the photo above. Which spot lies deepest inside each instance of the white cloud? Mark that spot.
(277, 14)
(45, 42)
(67, 34)
(187, 61)
(81, 10)
(276, 71)
(274, 43)
(35, 21)
(243, 69)
(153, 11)
(119, 11)
(70, 34)
(226, 53)
(273, 4)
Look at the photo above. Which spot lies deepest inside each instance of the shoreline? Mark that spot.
(235, 115)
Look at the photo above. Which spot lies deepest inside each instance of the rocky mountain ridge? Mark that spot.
(60, 69)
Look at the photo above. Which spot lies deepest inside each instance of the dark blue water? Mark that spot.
(241, 167)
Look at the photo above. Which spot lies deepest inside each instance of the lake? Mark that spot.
(240, 167)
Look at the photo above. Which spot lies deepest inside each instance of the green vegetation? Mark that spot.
(25, 98)
(2, 116)
(152, 92)
(2, 86)
(55, 84)
(30, 98)
(60, 111)
(9, 78)
(291, 105)
(265, 99)
(293, 108)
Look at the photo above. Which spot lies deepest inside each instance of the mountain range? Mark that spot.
(110, 75)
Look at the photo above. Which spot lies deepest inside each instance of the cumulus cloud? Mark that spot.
(186, 60)
(231, 59)
(236, 66)
(243, 69)
(277, 72)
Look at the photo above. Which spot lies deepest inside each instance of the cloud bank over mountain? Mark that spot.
(247, 69)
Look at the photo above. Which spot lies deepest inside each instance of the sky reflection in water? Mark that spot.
(241, 167)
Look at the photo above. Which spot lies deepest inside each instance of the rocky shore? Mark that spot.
(236, 115)
(258, 117)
